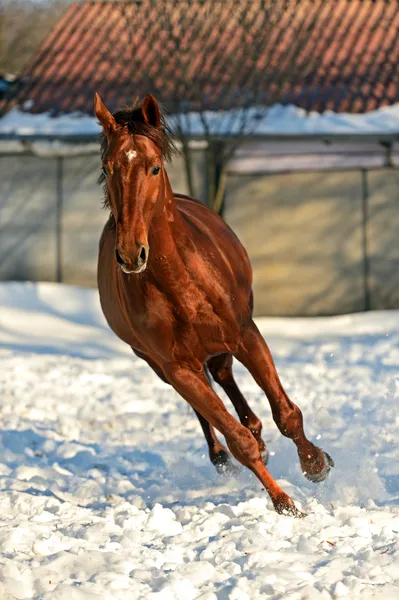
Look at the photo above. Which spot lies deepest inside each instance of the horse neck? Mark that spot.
(167, 234)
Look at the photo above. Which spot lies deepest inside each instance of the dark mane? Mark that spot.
(132, 118)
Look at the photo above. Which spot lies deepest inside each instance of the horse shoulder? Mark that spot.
(215, 239)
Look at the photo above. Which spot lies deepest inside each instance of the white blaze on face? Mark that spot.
(131, 154)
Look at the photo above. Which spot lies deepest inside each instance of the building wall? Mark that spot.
(30, 198)
(27, 218)
(303, 231)
(383, 237)
(305, 238)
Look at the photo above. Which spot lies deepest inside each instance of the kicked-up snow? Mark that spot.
(106, 490)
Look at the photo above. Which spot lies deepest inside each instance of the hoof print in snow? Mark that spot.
(323, 474)
(224, 465)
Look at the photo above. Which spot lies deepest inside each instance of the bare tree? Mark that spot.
(216, 79)
(215, 55)
(24, 24)
(209, 61)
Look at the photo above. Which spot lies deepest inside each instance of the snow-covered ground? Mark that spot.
(106, 491)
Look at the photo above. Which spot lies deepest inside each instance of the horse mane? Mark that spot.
(132, 118)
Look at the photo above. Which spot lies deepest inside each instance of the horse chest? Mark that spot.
(191, 321)
(171, 325)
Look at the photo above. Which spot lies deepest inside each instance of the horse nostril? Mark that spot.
(143, 254)
(118, 257)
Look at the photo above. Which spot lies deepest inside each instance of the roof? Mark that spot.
(341, 55)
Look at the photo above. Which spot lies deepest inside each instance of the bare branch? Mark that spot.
(23, 27)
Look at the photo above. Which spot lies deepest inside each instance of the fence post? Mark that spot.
(365, 219)
(58, 218)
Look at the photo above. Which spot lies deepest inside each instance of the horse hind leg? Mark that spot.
(255, 355)
(221, 369)
(217, 452)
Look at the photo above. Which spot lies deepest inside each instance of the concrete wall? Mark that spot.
(303, 231)
(82, 220)
(27, 218)
(28, 215)
(383, 236)
(304, 236)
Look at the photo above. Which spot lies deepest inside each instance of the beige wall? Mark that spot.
(83, 220)
(28, 208)
(383, 238)
(27, 218)
(303, 233)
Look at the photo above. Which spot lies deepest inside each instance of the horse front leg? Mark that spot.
(217, 452)
(196, 389)
(255, 355)
(221, 368)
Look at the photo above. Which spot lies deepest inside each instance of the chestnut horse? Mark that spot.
(175, 284)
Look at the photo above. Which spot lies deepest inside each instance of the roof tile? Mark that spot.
(341, 55)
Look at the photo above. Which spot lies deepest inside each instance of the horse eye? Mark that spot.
(105, 171)
(155, 170)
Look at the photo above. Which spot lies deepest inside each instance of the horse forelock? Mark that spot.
(131, 118)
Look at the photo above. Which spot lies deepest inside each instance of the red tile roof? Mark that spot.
(341, 55)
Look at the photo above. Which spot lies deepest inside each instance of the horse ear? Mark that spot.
(103, 115)
(150, 111)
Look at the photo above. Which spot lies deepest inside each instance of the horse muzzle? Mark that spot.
(135, 265)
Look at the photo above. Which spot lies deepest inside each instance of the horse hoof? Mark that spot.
(224, 465)
(292, 511)
(318, 477)
(285, 506)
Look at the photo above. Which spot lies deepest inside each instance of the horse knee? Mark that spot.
(244, 447)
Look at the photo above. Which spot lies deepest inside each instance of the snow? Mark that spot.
(24, 123)
(291, 120)
(276, 120)
(107, 491)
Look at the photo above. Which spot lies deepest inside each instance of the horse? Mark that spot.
(175, 284)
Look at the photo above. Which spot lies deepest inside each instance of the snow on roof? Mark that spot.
(20, 123)
(258, 120)
(284, 120)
